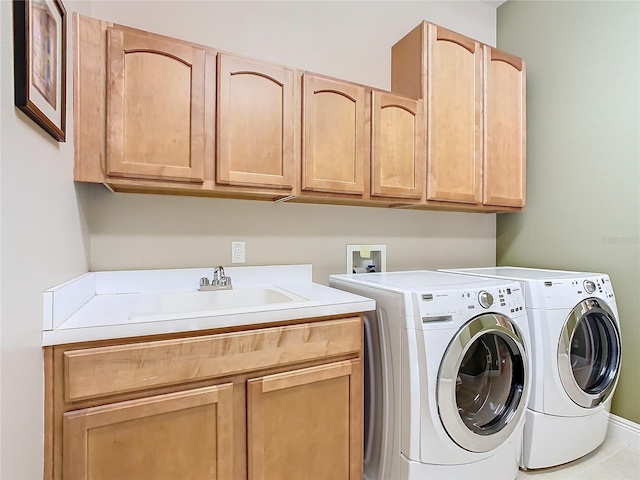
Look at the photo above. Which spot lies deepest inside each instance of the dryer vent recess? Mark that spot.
(366, 258)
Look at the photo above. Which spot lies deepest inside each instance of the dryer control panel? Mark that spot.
(564, 292)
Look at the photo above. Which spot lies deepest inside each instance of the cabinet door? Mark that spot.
(178, 435)
(398, 146)
(306, 424)
(505, 129)
(333, 136)
(155, 107)
(255, 123)
(454, 116)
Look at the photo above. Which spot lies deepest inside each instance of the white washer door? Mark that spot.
(483, 383)
(589, 353)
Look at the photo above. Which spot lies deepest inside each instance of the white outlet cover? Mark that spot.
(237, 252)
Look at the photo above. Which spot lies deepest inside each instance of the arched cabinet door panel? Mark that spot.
(398, 154)
(255, 124)
(475, 116)
(155, 107)
(454, 116)
(505, 129)
(334, 136)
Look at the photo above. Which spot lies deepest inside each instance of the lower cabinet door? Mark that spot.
(306, 424)
(186, 435)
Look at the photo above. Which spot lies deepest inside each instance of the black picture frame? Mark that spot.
(40, 63)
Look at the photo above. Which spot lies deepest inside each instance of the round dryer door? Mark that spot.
(483, 383)
(589, 353)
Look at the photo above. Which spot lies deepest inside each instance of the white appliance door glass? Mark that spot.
(483, 383)
(485, 380)
(589, 353)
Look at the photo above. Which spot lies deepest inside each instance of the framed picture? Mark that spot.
(40, 58)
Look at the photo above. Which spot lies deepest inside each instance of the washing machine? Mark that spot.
(446, 375)
(576, 354)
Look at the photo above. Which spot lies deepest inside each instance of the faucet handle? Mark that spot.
(204, 281)
(217, 273)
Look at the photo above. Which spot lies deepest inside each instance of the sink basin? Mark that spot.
(180, 304)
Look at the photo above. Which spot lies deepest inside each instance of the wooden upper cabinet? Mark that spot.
(178, 435)
(398, 154)
(475, 103)
(255, 123)
(155, 107)
(454, 116)
(334, 136)
(160, 115)
(306, 423)
(504, 129)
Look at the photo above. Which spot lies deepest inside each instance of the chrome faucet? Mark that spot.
(219, 281)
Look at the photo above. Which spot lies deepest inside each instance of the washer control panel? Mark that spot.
(445, 305)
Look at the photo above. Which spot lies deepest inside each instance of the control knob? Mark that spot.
(589, 286)
(485, 299)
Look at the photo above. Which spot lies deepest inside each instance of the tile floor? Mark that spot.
(613, 460)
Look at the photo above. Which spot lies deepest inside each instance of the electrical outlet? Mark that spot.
(237, 252)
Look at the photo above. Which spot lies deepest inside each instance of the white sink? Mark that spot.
(160, 306)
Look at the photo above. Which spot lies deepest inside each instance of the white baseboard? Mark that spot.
(624, 430)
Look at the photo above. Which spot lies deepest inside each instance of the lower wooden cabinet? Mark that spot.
(178, 435)
(305, 424)
(283, 402)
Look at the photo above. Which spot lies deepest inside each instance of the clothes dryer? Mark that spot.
(576, 354)
(446, 375)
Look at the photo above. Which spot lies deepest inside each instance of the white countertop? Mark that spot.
(103, 305)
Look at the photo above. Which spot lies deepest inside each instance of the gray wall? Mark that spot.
(582, 153)
(44, 241)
